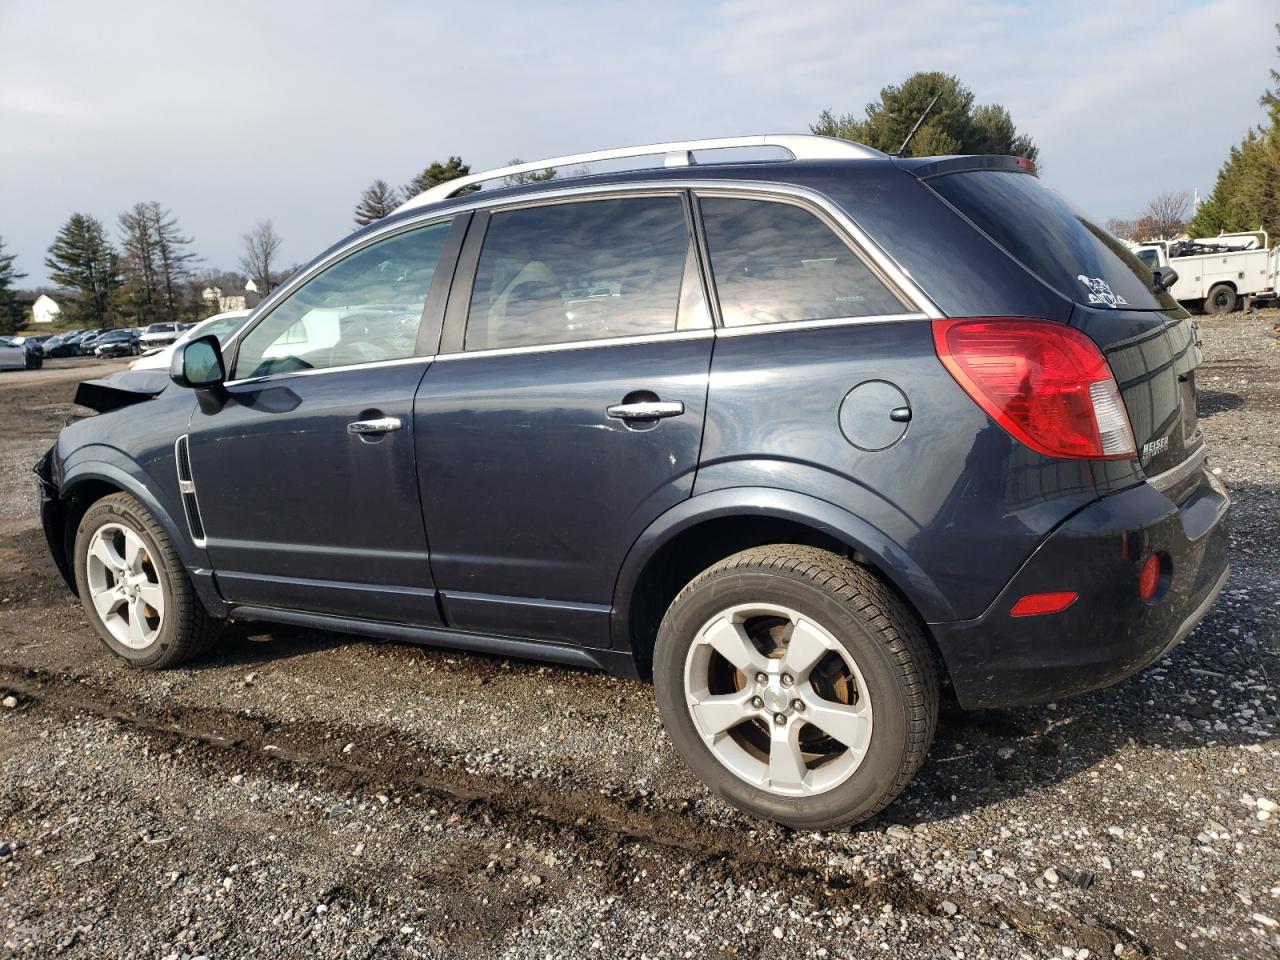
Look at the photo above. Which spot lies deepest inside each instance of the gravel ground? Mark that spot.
(306, 794)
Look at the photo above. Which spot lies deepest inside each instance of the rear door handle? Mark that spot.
(646, 410)
(380, 425)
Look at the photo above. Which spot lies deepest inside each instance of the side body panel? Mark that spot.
(956, 494)
(533, 494)
(301, 514)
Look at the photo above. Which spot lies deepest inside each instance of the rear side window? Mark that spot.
(1053, 240)
(775, 263)
(585, 270)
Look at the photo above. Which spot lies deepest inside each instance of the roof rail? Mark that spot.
(677, 154)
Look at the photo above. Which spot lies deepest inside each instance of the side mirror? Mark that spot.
(1164, 278)
(198, 363)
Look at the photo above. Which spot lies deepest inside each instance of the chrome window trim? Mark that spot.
(704, 333)
(344, 368)
(782, 325)
(807, 198)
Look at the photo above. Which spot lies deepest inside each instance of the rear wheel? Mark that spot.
(1221, 299)
(796, 685)
(134, 589)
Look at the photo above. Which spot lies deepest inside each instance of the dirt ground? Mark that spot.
(305, 794)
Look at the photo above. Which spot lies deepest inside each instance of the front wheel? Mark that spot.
(796, 685)
(134, 589)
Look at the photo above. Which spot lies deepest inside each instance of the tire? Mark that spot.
(861, 626)
(181, 628)
(1221, 299)
(34, 362)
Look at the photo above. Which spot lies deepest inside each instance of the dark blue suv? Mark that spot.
(802, 439)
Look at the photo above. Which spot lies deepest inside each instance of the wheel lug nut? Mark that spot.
(779, 718)
(757, 702)
(761, 678)
(797, 706)
(787, 680)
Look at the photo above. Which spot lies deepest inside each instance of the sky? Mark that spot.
(233, 112)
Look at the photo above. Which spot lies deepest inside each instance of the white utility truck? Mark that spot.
(1216, 273)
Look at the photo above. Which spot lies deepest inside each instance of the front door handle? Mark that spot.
(380, 425)
(646, 410)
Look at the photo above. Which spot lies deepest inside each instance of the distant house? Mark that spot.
(244, 300)
(45, 309)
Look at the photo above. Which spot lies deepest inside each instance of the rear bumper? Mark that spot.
(1110, 632)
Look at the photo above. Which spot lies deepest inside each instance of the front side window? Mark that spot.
(583, 270)
(776, 262)
(366, 308)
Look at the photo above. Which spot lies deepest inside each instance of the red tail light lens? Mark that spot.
(1045, 383)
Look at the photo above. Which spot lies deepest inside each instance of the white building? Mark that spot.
(45, 309)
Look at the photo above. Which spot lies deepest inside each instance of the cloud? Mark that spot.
(230, 112)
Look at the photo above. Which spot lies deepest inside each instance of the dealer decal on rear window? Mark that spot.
(1100, 291)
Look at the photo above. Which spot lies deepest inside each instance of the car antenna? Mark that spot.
(918, 122)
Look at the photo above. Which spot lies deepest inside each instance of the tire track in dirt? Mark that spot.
(385, 760)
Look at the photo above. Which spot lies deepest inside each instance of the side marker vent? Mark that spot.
(187, 487)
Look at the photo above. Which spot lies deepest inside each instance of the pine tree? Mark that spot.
(83, 259)
(536, 176)
(137, 297)
(377, 200)
(1246, 195)
(173, 258)
(953, 125)
(436, 174)
(11, 319)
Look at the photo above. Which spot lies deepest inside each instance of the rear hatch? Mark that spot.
(1149, 340)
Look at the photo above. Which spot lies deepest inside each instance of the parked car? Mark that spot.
(20, 356)
(220, 325)
(65, 344)
(89, 341)
(117, 343)
(37, 341)
(159, 335)
(800, 440)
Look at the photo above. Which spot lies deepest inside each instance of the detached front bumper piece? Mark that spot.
(53, 518)
(1109, 631)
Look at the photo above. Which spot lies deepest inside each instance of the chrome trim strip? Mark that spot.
(273, 377)
(188, 487)
(815, 324)
(1175, 475)
(581, 344)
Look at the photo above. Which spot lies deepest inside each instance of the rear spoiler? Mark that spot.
(927, 167)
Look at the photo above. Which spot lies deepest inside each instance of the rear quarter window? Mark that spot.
(1053, 240)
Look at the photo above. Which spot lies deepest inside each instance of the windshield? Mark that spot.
(1053, 240)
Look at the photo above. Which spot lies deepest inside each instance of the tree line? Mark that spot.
(145, 275)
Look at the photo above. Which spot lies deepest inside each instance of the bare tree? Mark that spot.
(261, 244)
(1164, 217)
(377, 200)
(1122, 228)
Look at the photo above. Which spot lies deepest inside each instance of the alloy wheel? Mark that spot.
(778, 700)
(124, 585)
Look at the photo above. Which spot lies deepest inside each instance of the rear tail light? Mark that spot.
(1045, 383)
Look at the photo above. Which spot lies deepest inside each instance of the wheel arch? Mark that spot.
(707, 528)
(86, 481)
